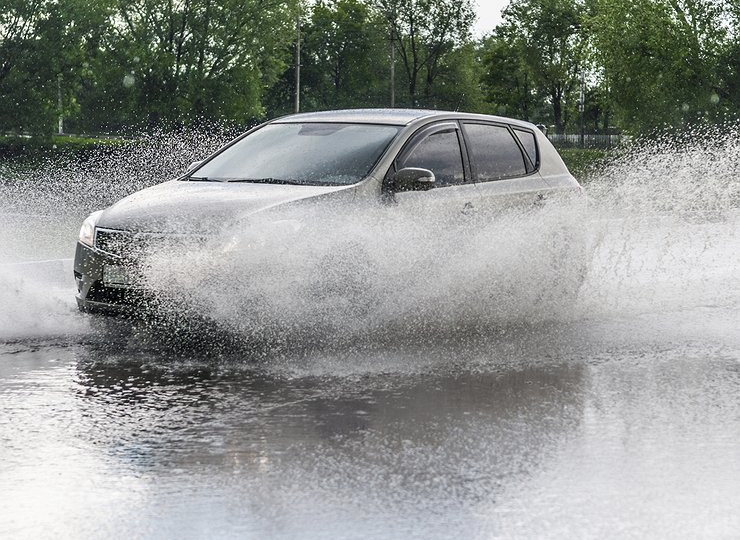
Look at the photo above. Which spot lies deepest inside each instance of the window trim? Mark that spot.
(536, 163)
(525, 157)
(426, 131)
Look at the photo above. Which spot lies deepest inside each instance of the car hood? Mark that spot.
(201, 207)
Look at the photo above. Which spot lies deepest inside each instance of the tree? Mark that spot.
(424, 32)
(343, 55)
(507, 77)
(547, 42)
(660, 59)
(44, 47)
(457, 82)
(174, 62)
(22, 101)
(18, 24)
(728, 91)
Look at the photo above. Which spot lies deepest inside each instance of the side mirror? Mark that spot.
(413, 179)
(193, 166)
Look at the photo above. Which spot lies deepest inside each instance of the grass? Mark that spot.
(582, 161)
(40, 147)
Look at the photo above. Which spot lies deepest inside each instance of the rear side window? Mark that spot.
(440, 153)
(528, 142)
(494, 152)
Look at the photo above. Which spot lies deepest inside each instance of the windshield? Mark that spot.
(311, 153)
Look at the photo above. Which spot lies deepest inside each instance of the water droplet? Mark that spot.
(714, 98)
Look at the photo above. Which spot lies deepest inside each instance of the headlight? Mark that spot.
(87, 231)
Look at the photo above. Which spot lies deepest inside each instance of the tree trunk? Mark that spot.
(557, 111)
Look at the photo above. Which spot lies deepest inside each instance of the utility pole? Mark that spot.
(582, 107)
(392, 17)
(60, 124)
(393, 68)
(298, 65)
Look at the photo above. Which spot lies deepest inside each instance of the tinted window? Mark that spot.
(440, 153)
(311, 153)
(529, 144)
(494, 151)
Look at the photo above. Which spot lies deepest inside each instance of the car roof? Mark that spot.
(395, 117)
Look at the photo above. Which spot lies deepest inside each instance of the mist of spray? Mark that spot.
(42, 204)
(658, 231)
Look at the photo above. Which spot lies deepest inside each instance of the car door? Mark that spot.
(439, 148)
(504, 163)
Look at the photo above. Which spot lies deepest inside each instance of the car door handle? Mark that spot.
(468, 208)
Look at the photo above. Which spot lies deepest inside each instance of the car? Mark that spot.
(458, 163)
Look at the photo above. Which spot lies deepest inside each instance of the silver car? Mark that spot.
(457, 163)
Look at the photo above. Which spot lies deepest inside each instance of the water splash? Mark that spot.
(667, 215)
(376, 272)
(659, 234)
(42, 204)
(78, 185)
(34, 302)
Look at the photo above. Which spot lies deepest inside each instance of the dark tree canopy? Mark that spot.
(116, 65)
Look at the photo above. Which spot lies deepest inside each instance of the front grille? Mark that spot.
(139, 245)
(115, 243)
(107, 295)
(120, 297)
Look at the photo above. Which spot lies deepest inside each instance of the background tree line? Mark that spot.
(116, 65)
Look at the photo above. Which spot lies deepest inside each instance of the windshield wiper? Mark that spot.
(270, 180)
(267, 180)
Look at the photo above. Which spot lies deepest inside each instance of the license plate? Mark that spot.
(119, 276)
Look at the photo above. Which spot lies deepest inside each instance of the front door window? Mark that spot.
(440, 153)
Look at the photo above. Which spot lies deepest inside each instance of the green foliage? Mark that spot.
(139, 62)
(182, 62)
(457, 83)
(44, 46)
(117, 65)
(344, 56)
(647, 64)
(582, 162)
(535, 57)
(660, 59)
(346, 51)
(507, 78)
(35, 149)
(424, 32)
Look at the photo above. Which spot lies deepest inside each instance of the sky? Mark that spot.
(489, 15)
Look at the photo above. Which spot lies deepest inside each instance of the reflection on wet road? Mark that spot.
(550, 432)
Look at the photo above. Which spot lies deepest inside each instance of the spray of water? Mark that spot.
(667, 213)
(329, 273)
(42, 204)
(658, 232)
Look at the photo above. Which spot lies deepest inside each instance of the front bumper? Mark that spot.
(92, 293)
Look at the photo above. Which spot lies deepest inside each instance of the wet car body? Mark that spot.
(455, 163)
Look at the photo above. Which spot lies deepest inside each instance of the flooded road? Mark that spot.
(615, 414)
(573, 433)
